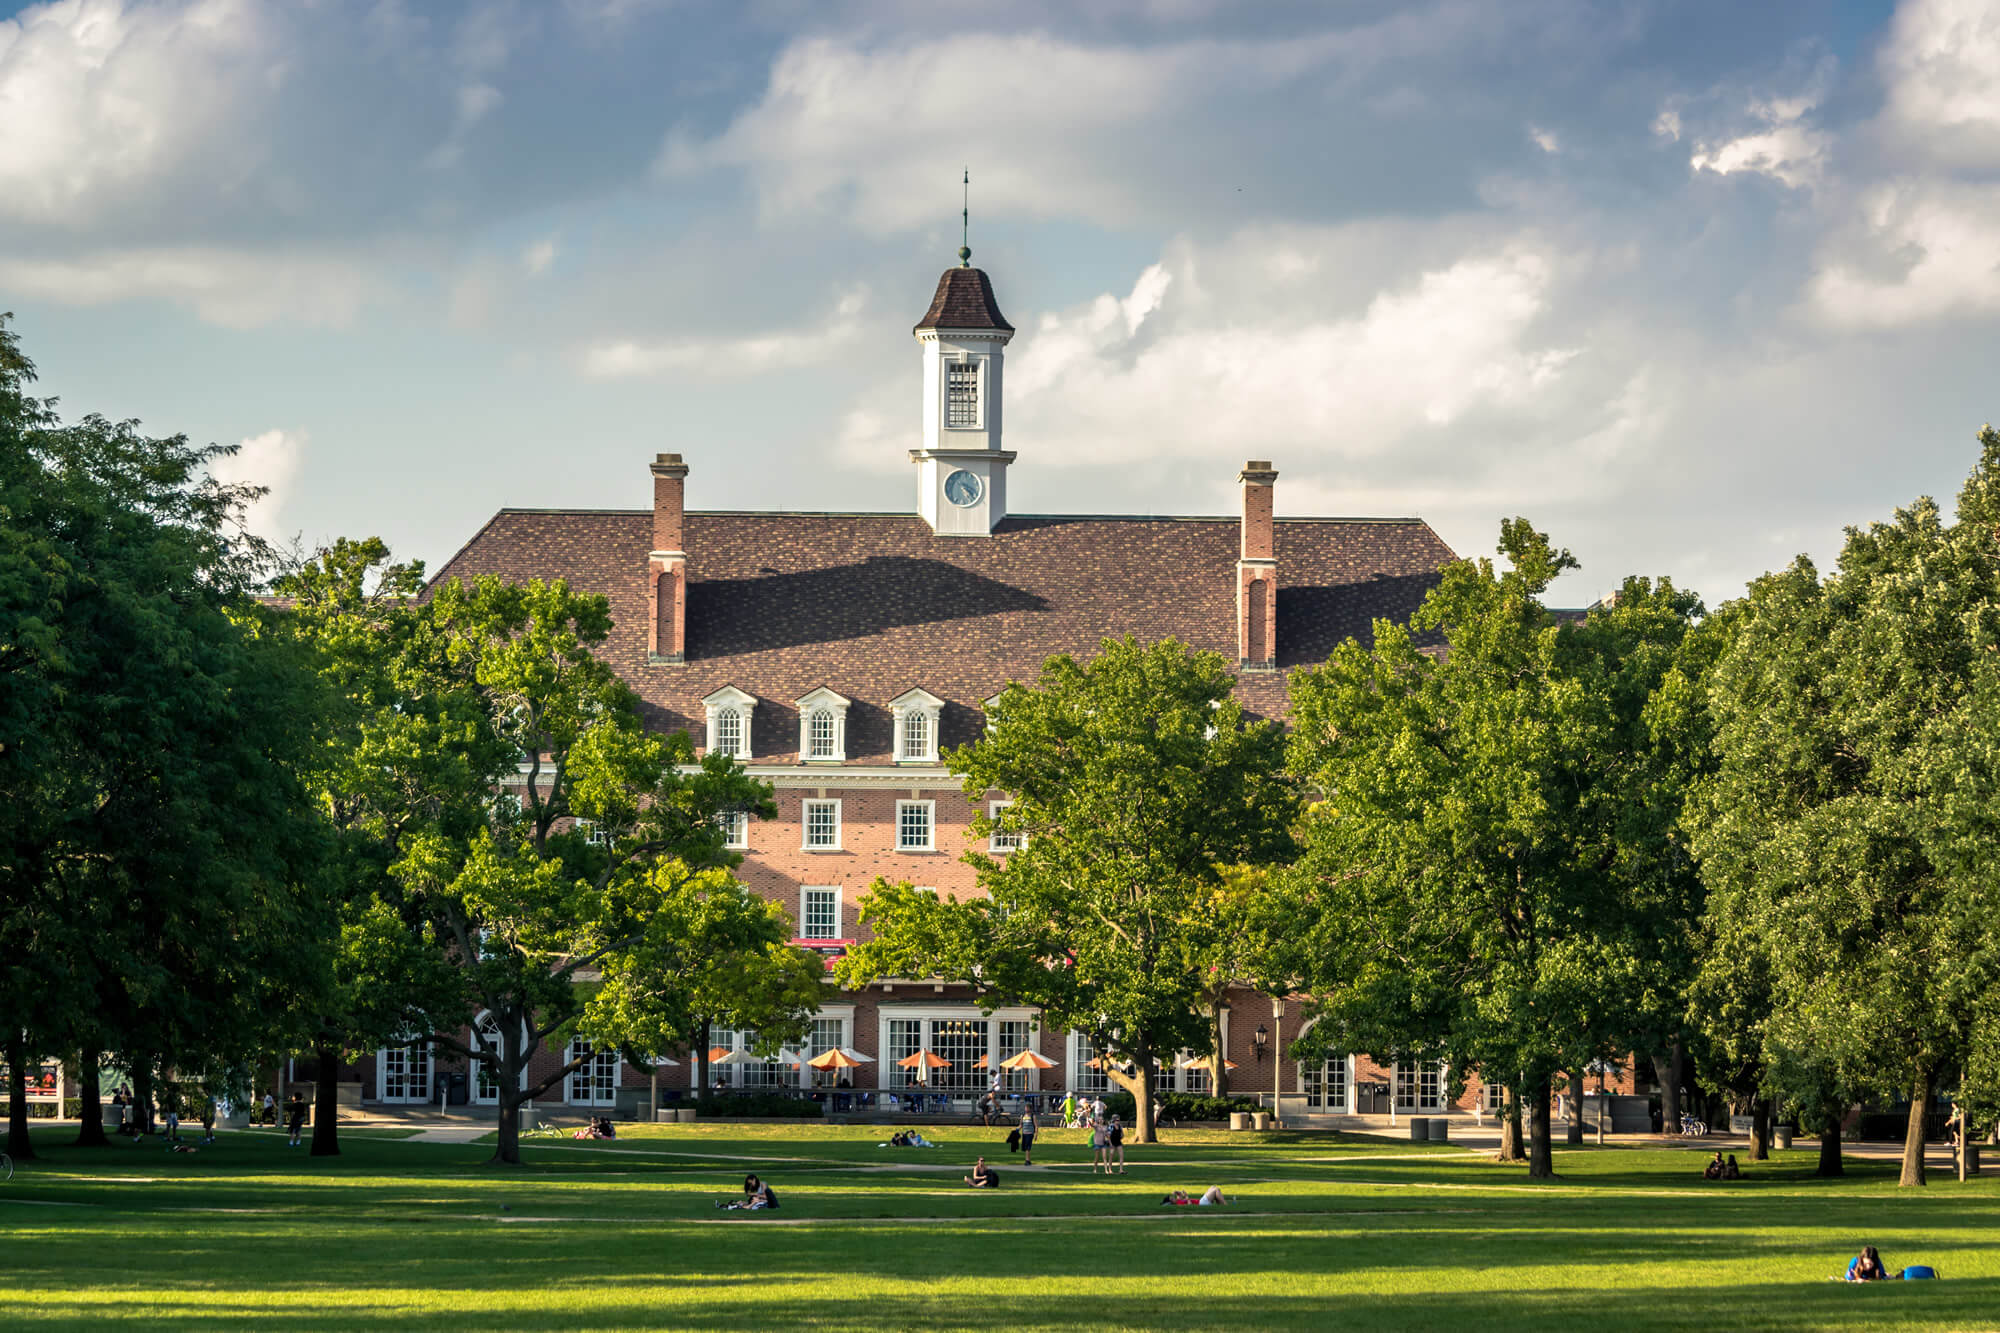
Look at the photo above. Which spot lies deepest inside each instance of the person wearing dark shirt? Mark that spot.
(983, 1177)
(756, 1195)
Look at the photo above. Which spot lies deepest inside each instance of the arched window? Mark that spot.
(822, 744)
(916, 734)
(729, 733)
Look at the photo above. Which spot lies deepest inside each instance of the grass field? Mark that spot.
(1327, 1233)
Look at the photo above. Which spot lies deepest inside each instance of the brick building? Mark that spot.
(834, 653)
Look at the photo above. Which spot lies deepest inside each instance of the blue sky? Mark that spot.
(1690, 284)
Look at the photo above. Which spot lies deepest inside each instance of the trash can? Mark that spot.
(1781, 1138)
(1420, 1130)
(1440, 1131)
(1239, 1120)
(1262, 1119)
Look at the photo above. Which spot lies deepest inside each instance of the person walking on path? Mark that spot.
(1100, 1148)
(1069, 1109)
(1027, 1138)
(1117, 1147)
(295, 1117)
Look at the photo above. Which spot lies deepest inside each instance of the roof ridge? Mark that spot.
(905, 514)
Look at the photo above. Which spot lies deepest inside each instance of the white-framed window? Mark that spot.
(403, 1073)
(914, 826)
(1419, 1085)
(1327, 1084)
(729, 712)
(1493, 1096)
(822, 826)
(1001, 840)
(485, 1073)
(593, 833)
(1197, 1079)
(819, 913)
(595, 1081)
(735, 826)
(1086, 1065)
(827, 1033)
(973, 1042)
(961, 393)
(823, 727)
(917, 714)
(1016, 1035)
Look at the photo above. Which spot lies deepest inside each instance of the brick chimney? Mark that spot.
(666, 567)
(1257, 572)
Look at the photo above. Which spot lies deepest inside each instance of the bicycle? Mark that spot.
(1692, 1128)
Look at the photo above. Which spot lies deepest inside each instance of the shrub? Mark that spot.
(1179, 1106)
(759, 1105)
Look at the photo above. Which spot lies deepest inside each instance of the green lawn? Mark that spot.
(1328, 1233)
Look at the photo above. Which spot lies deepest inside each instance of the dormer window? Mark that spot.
(916, 713)
(823, 727)
(729, 710)
(962, 394)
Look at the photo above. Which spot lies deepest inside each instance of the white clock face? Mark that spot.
(963, 489)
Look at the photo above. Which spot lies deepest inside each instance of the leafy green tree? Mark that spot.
(1493, 857)
(714, 953)
(1134, 778)
(566, 870)
(158, 852)
(1851, 819)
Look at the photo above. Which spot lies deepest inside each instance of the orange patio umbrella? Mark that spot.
(834, 1059)
(1206, 1062)
(924, 1060)
(1028, 1060)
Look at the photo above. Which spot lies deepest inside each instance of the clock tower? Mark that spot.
(962, 470)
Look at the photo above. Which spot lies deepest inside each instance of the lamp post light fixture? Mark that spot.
(1260, 1038)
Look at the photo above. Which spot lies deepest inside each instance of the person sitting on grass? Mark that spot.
(1731, 1171)
(1714, 1169)
(756, 1195)
(983, 1177)
(1866, 1266)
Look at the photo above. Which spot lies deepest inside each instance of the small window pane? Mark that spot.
(822, 914)
(822, 823)
(913, 826)
(729, 733)
(1001, 840)
(916, 734)
(735, 828)
(820, 743)
(962, 393)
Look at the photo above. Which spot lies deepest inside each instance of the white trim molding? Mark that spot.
(823, 727)
(916, 712)
(744, 705)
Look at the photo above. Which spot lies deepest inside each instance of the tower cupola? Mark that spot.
(962, 470)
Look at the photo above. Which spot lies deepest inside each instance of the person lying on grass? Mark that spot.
(907, 1139)
(598, 1128)
(756, 1195)
(1213, 1197)
(1867, 1266)
(983, 1177)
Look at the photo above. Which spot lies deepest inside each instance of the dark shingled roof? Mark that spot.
(870, 605)
(964, 300)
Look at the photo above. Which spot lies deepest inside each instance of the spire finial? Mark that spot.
(965, 223)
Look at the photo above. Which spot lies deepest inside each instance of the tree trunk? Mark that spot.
(18, 1145)
(1218, 1058)
(142, 1093)
(1760, 1129)
(1670, 1090)
(1829, 1151)
(1541, 1152)
(1574, 1135)
(326, 1102)
(507, 1144)
(1510, 1128)
(90, 1103)
(1913, 1134)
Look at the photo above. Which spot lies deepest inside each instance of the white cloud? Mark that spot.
(537, 257)
(1058, 128)
(101, 101)
(812, 344)
(270, 460)
(1920, 250)
(238, 289)
(1546, 140)
(1941, 74)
